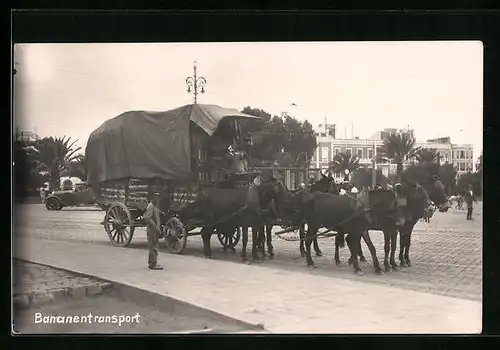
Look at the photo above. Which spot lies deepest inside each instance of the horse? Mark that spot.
(432, 192)
(336, 213)
(419, 201)
(325, 184)
(228, 208)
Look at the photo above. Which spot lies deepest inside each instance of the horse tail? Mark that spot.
(340, 240)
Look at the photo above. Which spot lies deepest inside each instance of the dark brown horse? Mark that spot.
(226, 209)
(325, 184)
(336, 213)
(418, 199)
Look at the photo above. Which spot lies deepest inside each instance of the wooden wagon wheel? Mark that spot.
(229, 240)
(175, 235)
(119, 224)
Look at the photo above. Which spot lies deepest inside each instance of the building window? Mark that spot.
(447, 157)
(337, 151)
(462, 166)
(462, 155)
(348, 151)
(324, 154)
(360, 153)
(370, 153)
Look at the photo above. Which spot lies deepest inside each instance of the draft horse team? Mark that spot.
(196, 158)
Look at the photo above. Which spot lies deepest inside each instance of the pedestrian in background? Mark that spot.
(152, 218)
(469, 199)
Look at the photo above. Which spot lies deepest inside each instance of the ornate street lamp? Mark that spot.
(195, 84)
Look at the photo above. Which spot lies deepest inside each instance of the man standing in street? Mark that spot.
(152, 218)
(469, 198)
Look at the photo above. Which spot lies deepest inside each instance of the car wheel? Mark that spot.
(53, 204)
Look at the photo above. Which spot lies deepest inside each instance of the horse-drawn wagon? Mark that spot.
(176, 153)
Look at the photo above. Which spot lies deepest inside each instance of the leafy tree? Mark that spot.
(362, 177)
(280, 140)
(427, 155)
(448, 175)
(479, 172)
(398, 147)
(421, 172)
(342, 162)
(24, 167)
(467, 179)
(54, 155)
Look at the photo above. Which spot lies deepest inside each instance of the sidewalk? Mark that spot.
(282, 301)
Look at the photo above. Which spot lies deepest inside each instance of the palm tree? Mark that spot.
(54, 156)
(78, 167)
(398, 147)
(342, 162)
(427, 155)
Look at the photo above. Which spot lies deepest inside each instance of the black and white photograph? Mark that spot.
(248, 187)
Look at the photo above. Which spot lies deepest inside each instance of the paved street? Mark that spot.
(156, 314)
(446, 253)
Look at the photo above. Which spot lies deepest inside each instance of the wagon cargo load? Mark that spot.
(142, 144)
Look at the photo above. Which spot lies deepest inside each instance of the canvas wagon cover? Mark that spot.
(143, 144)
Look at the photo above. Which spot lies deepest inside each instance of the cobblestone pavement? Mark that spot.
(34, 278)
(446, 253)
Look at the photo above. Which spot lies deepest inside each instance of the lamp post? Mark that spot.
(195, 83)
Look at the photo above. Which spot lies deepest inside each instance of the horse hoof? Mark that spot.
(338, 263)
(359, 272)
(349, 261)
(386, 268)
(378, 271)
(302, 254)
(362, 259)
(395, 267)
(271, 256)
(318, 253)
(408, 263)
(208, 257)
(402, 264)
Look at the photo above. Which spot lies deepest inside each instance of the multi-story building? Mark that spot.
(25, 135)
(460, 155)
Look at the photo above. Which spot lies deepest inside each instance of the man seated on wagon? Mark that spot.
(226, 159)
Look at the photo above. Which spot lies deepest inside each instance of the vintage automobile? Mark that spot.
(81, 195)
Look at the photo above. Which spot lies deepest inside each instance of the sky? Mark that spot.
(435, 87)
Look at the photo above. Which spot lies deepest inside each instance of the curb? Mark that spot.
(27, 299)
(31, 298)
(130, 292)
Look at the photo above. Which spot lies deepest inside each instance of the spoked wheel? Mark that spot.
(118, 223)
(175, 235)
(229, 240)
(53, 204)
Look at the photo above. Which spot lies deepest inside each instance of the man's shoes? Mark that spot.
(155, 267)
